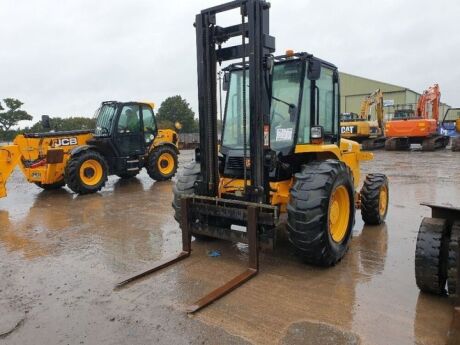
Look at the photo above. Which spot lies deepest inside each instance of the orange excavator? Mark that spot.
(420, 127)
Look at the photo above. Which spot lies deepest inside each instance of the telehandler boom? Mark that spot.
(125, 140)
(281, 151)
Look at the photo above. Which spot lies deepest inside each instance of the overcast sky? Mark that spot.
(62, 58)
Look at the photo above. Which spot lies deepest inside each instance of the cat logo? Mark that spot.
(348, 129)
(64, 142)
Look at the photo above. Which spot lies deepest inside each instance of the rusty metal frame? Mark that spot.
(250, 272)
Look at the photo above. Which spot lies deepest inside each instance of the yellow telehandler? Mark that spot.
(125, 140)
(281, 151)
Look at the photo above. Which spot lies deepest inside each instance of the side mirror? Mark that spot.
(46, 124)
(314, 70)
(226, 81)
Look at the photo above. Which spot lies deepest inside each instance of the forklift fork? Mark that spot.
(251, 271)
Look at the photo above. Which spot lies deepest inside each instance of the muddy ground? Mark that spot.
(61, 255)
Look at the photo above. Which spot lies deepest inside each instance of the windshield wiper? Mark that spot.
(290, 105)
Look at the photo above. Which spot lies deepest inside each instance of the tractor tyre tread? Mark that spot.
(152, 165)
(452, 259)
(308, 223)
(431, 254)
(72, 172)
(370, 198)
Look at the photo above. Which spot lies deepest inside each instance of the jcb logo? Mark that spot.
(64, 142)
(348, 129)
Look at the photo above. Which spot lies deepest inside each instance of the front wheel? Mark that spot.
(86, 172)
(162, 163)
(321, 212)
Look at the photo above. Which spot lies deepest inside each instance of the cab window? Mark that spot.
(326, 100)
(129, 121)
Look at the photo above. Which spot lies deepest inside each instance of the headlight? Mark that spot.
(317, 132)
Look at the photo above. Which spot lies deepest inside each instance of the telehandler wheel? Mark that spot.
(431, 253)
(321, 212)
(452, 260)
(51, 186)
(86, 172)
(162, 163)
(374, 199)
(128, 175)
(185, 185)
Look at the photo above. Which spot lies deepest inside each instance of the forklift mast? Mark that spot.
(255, 52)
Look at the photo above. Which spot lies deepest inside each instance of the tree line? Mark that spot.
(172, 109)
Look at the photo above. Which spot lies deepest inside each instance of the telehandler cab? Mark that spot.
(125, 140)
(281, 151)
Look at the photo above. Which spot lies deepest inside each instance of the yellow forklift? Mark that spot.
(281, 151)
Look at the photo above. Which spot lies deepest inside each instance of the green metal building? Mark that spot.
(354, 89)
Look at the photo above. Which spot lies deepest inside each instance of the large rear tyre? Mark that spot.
(51, 186)
(185, 185)
(452, 287)
(162, 163)
(321, 212)
(374, 199)
(431, 256)
(86, 172)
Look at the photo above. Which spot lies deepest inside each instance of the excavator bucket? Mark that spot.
(9, 158)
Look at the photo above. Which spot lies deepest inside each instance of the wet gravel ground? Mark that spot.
(62, 254)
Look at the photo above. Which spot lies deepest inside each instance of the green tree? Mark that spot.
(65, 124)
(13, 115)
(176, 109)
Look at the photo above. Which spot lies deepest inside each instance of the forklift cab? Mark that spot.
(130, 127)
(304, 101)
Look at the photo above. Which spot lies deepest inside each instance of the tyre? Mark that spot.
(374, 199)
(185, 185)
(86, 172)
(51, 186)
(456, 144)
(431, 256)
(128, 174)
(452, 259)
(321, 212)
(162, 163)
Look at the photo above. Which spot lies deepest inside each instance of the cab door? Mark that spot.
(149, 126)
(129, 134)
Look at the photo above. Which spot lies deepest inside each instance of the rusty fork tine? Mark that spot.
(186, 247)
(240, 279)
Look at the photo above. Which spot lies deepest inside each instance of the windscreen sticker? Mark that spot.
(283, 134)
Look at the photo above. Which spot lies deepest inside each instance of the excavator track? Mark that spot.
(373, 144)
(397, 144)
(435, 143)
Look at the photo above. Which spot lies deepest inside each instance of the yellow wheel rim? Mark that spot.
(339, 213)
(91, 172)
(165, 163)
(383, 200)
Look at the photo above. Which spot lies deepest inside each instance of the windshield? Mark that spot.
(104, 117)
(452, 115)
(285, 99)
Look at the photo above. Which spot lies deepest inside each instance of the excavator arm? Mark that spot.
(433, 96)
(375, 98)
(9, 158)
